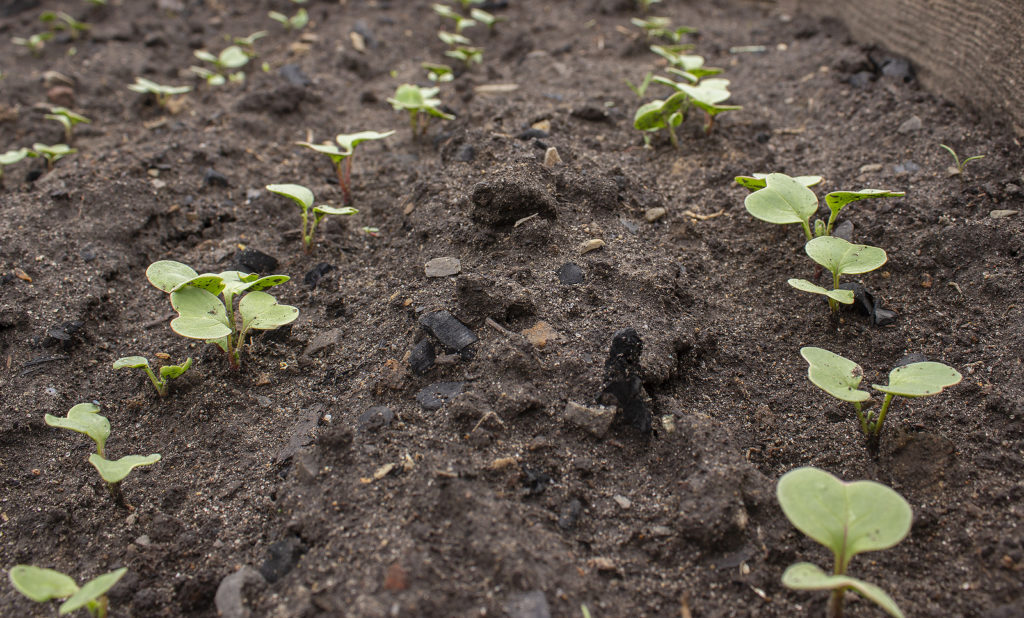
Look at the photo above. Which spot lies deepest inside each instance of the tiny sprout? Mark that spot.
(847, 518)
(34, 43)
(417, 100)
(438, 73)
(784, 200)
(162, 93)
(658, 114)
(960, 165)
(461, 23)
(304, 198)
(67, 119)
(757, 181)
(371, 231)
(54, 153)
(645, 5)
(468, 3)
(341, 157)
(247, 43)
(297, 21)
(453, 40)
(485, 18)
(841, 378)
(230, 58)
(203, 314)
(167, 373)
(839, 257)
(13, 156)
(661, 27)
(42, 585)
(674, 55)
(708, 95)
(641, 89)
(70, 23)
(468, 55)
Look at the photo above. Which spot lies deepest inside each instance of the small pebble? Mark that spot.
(653, 214)
(551, 157)
(911, 124)
(442, 267)
(591, 245)
(1002, 214)
(870, 168)
(622, 501)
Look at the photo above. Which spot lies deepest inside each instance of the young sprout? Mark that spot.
(468, 55)
(839, 257)
(757, 181)
(248, 43)
(784, 200)
(661, 27)
(658, 114)
(70, 23)
(641, 89)
(438, 73)
(960, 165)
(43, 585)
(206, 304)
(485, 18)
(162, 93)
(673, 54)
(461, 23)
(54, 153)
(67, 118)
(645, 5)
(341, 158)
(34, 43)
(13, 156)
(297, 21)
(83, 418)
(416, 101)
(708, 95)
(841, 378)
(304, 198)
(453, 40)
(848, 519)
(468, 3)
(230, 58)
(167, 372)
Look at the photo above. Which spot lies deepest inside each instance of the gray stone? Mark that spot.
(281, 558)
(570, 274)
(442, 267)
(910, 125)
(434, 396)
(531, 604)
(228, 600)
(323, 341)
(594, 419)
(376, 418)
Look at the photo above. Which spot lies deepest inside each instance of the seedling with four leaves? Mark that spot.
(67, 118)
(661, 27)
(230, 58)
(297, 21)
(167, 372)
(841, 378)
(84, 419)
(161, 93)
(304, 198)
(341, 158)
(206, 304)
(839, 257)
(417, 101)
(848, 519)
(44, 585)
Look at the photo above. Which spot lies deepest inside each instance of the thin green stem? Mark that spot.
(160, 385)
(860, 417)
(413, 113)
(671, 132)
(877, 428)
(831, 221)
(807, 230)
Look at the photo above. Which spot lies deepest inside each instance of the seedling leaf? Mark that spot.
(83, 418)
(842, 296)
(92, 590)
(807, 576)
(169, 372)
(837, 200)
(131, 362)
(783, 200)
(842, 257)
(261, 311)
(116, 471)
(168, 275)
(920, 379)
(837, 376)
(201, 315)
(41, 585)
(332, 210)
(350, 141)
(297, 193)
(757, 181)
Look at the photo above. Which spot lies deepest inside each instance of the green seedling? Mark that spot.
(640, 90)
(67, 118)
(248, 43)
(34, 43)
(757, 181)
(839, 257)
(674, 56)
(960, 165)
(44, 585)
(54, 18)
(438, 73)
(848, 519)
(466, 4)
(297, 21)
(341, 157)
(784, 200)
(54, 153)
(167, 372)
(485, 18)
(645, 5)
(661, 27)
(446, 12)
(453, 39)
(416, 101)
(13, 156)
(468, 55)
(304, 198)
(841, 378)
(707, 95)
(206, 304)
(161, 93)
(84, 419)
(230, 58)
(661, 114)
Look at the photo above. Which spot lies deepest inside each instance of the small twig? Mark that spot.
(33, 365)
(158, 321)
(501, 329)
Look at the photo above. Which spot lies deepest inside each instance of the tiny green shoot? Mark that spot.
(416, 101)
(707, 95)
(485, 18)
(43, 585)
(54, 18)
(453, 40)
(206, 304)
(438, 73)
(230, 58)
(303, 197)
(661, 27)
(67, 118)
(167, 372)
(661, 114)
(248, 43)
(841, 378)
(466, 4)
(960, 165)
(640, 90)
(54, 153)
(297, 21)
(161, 93)
(848, 519)
(839, 257)
(341, 157)
(13, 156)
(446, 12)
(34, 43)
(468, 55)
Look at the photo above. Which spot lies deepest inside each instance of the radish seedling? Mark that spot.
(83, 418)
(13, 156)
(785, 200)
(304, 198)
(35, 43)
(468, 55)
(757, 181)
(75, 27)
(42, 585)
(297, 21)
(708, 95)
(453, 40)
(485, 18)
(167, 372)
(248, 43)
(658, 114)
(341, 157)
(641, 89)
(841, 378)
(661, 27)
(416, 101)
(446, 12)
(839, 257)
(54, 153)
(162, 93)
(848, 519)
(960, 165)
(67, 118)
(438, 73)
(230, 58)
(203, 314)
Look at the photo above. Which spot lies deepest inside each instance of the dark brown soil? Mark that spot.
(499, 498)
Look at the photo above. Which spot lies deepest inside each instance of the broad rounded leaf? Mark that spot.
(806, 576)
(262, 312)
(330, 150)
(297, 193)
(757, 181)
(920, 379)
(331, 210)
(848, 518)
(843, 296)
(13, 156)
(116, 471)
(784, 200)
(41, 585)
(648, 117)
(133, 362)
(92, 590)
(167, 275)
(407, 96)
(837, 200)
(837, 376)
(351, 140)
(173, 371)
(232, 57)
(201, 315)
(842, 257)
(84, 419)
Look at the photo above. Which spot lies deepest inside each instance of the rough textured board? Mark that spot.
(969, 52)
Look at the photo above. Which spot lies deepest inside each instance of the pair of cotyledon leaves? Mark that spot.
(84, 419)
(841, 377)
(42, 585)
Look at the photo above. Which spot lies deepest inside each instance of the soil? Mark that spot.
(329, 478)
